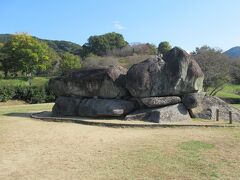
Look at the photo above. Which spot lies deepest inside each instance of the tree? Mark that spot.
(99, 45)
(235, 71)
(59, 46)
(55, 59)
(64, 46)
(86, 51)
(164, 47)
(1, 56)
(26, 54)
(69, 61)
(93, 61)
(5, 65)
(215, 66)
(144, 49)
(136, 48)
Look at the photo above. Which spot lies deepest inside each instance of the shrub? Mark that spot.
(6, 93)
(237, 91)
(36, 94)
(50, 96)
(93, 61)
(30, 94)
(127, 62)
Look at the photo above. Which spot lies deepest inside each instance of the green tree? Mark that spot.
(25, 54)
(86, 51)
(215, 66)
(164, 47)
(142, 49)
(1, 55)
(235, 71)
(55, 61)
(64, 46)
(99, 45)
(69, 61)
(5, 65)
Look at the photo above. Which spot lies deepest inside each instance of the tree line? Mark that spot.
(25, 55)
(218, 68)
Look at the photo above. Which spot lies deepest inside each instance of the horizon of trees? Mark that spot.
(29, 56)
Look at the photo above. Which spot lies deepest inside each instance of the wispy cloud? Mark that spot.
(117, 25)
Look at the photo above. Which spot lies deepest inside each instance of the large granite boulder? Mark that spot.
(160, 90)
(104, 107)
(104, 83)
(192, 100)
(178, 74)
(207, 106)
(185, 75)
(160, 101)
(173, 113)
(66, 106)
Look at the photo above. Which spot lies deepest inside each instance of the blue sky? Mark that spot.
(184, 23)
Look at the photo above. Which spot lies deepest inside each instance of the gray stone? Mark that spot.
(104, 107)
(208, 105)
(184, 73)
(58, 86)
(173, 113)
(177, 75)
(192, 100)
(103, 83)
(65, 106)
(160, 101)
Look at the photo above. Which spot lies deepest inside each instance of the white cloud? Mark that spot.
(117, 25)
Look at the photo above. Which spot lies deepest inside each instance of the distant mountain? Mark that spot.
(233, 52)
(58, 46)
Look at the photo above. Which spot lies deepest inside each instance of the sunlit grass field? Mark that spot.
(5, 109)
(229, 91)
(236, 105)
(35, 149)
(23, 81)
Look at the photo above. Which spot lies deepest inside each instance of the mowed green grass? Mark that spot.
(25, 108)
(229, 91)
(236, 105)
(23, 81)
(34, 149)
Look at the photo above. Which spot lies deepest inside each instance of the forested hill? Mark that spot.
(5, 38)
(58, 46)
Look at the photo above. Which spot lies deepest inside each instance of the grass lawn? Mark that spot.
(6, 109)
(236, 105)
(229, 91)
(34, 149)
(24, 81)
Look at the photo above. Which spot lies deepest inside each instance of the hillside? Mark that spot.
(233, 52)
(58, 46)
(4, 38)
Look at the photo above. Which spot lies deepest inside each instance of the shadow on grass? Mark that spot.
(47, 114)
(18, 114)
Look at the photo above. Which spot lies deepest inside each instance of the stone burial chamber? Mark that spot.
(155, 90)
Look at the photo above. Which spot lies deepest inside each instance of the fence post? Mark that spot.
(230, 117)
(217, 114)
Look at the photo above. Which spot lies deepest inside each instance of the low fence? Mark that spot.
(230, 116)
